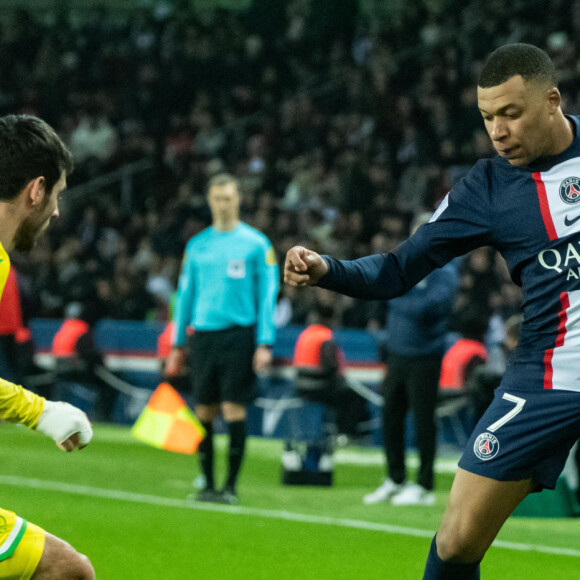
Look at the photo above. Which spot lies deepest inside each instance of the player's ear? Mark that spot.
(554, 99)
(37, 190)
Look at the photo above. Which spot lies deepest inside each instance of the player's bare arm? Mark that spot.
(303, 267)
(262, 358)
(175, 363)
(68, 426)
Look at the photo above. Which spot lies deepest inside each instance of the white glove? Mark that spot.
(60, 421)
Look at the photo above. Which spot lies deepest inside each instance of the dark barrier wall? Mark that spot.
(130, 350)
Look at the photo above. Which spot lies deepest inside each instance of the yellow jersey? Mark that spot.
(17, 405)
(21, 543)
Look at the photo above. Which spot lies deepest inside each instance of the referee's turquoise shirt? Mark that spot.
(227, 279)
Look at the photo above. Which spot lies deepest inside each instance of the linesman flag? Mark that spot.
(167, 423)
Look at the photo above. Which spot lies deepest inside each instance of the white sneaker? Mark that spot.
(413, 494)
(325, 463)
(292, 461)
(384, 492)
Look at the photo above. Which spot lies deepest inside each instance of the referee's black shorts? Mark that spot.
(221, 365)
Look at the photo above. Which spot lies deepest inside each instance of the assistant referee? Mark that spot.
(227, 293)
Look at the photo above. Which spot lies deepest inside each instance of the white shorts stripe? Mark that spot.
(565, 367)
(12, 536)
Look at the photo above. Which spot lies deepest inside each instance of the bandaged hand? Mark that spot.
(68, 426)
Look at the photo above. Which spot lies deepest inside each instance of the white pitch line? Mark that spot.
(86, 490)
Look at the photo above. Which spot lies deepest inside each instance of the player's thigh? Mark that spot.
(233, 411)
(422, 387)
(207, 413)
(476, 510)
(236, 375)
(394, 387)
(204, 360)
(60, 561)
(524, 435)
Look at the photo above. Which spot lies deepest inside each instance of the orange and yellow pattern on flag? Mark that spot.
(167, 423)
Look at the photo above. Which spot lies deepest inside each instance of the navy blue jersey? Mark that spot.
(417, 321)
(531, 215)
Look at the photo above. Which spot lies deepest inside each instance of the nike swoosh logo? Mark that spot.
(570, 222)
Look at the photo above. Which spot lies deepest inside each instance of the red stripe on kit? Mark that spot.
(548, 355)
(544, 206)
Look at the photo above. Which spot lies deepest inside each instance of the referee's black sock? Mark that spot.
(438, 569)
(237, 431)
(205, 455)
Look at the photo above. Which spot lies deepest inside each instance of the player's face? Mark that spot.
(39, 218)
(518, 117)
(224, 201)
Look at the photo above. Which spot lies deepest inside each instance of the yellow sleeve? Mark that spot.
(18, 405)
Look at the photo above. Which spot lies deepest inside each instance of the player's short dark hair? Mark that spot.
(526, 60)
(30, 148)
(222, 179)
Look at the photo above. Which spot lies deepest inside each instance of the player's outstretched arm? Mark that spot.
(67, 425)
(303, 267)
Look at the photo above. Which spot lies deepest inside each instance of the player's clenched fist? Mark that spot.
(303, 267)
(66, 425)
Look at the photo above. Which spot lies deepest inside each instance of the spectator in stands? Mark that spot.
(10, 325)
(320, 365)
(77, 358)
(483, 380)
(317, 125)
(466, 354)
(93, 142)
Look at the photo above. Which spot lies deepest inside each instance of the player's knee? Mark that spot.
(76, 567)
(85, 570)
(233, 411)
(206, 413)
(455, 545)
(60, 561)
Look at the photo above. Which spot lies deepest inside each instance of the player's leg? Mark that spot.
(60, 561)
(235, 416)
(394, 413)
(512, 451)
(237, 380)
(27, 551)
(422, 385)
(202, 356)
(577, 463)
(477, 509)
(205, 452)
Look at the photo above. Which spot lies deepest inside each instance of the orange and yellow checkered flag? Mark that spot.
(167, 423)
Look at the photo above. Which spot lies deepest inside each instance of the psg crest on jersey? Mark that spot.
(570, 190)
(486, 446)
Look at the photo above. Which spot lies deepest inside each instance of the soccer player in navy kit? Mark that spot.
(526, 203)
(227, 293)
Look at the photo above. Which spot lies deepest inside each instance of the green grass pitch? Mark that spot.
(123, 504)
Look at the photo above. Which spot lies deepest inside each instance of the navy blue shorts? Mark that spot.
(222, 365)
(523, 435)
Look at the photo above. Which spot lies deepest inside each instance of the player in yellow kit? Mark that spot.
(33, 167)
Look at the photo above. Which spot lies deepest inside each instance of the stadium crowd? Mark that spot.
(340, 127)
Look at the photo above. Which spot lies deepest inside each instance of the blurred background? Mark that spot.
(342, 119)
